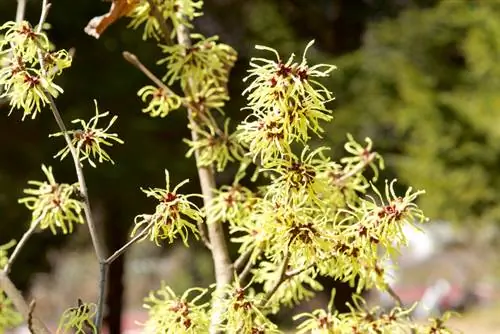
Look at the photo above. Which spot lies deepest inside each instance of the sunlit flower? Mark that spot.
(90, 139)
(53, 204)
(204, 61)
(172, 215)
(161, 102)
(173, 12)
(169, 313)
(79, 320)
(29, 69)
(9, 317)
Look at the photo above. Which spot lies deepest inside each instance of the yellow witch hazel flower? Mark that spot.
(172, 215)
(161, 102)
(53, 204)
(360, 319)
(90, 139)
(30, 68)
(286, 102)
(204, 61)
(78, 320)
(169, 313)
(175, 12)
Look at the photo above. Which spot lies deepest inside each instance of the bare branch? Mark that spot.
(394, 295)
(43, 15)
(31, 309)
(21, 10)
(240, 261)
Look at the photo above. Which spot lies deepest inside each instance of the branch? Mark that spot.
(240, 261)
(220, 254)
(21, 10)
(120, 251)
(20, 304)
(132, 58)
(281, 279)
(246, 271)
(98, 247)
(21, 242)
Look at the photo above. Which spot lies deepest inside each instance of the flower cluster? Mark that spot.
(173, 215)
(174, 12)
(79, 320)
(286, 103)
(312, 216)
(29, 68)
(169, 313)
(161, 102)
(360, 319)
(53, 204)
(89, 140)
(244, 314)
(206, 61)
(215, 147)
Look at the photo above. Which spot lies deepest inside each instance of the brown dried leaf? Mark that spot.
(119, 8)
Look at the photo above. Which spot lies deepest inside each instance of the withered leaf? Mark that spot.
(119, 8)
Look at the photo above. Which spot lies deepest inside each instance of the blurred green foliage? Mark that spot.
(425, 87)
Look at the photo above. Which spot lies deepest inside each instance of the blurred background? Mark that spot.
(421, 78)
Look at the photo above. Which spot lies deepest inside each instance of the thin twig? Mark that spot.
(358, 168)
(394, 295)
(21, 10)
(281, 279)
(242, 259)
(246, 271)
(296, 272)
(31, 309)
(165, 30)
(19, 303)
(120, 251)
(98, 247)
(132, 58)
(21, 242)
(43, 15)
